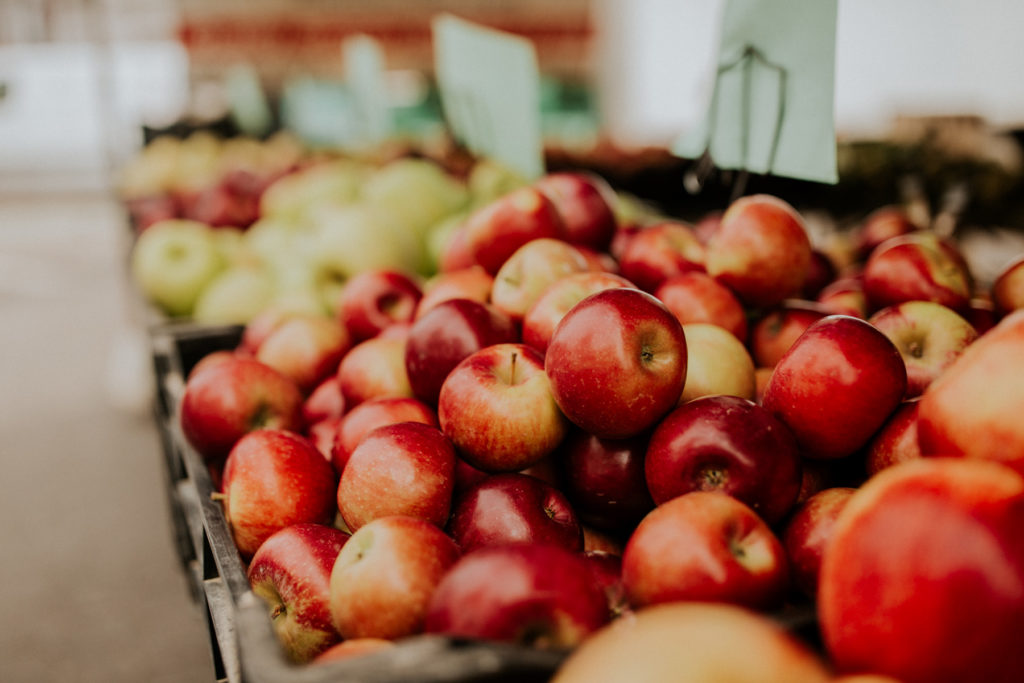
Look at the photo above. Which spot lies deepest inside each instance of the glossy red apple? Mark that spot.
(530, 270)
(273, 479)
(660, 251)
(497, 408)
(233, 398)
(325, 401)
(447, 335)
(880, 225)
(836, 386)
(896, 440)
(1008, 287)
(373, 299)
(760, 251)
(376, 412)
(468, 283)
(726, 444)
(533, 594)
(386, 575)
(723, 643)
(305, 347)
(808, 531)
(844, 296)
(917, 267)
(514, 508)
(547, 311)
(929, 336)
(323, 434)
(604, 479)
(374, 368)
(696, 297)
(584, 201)
(617, 362)
(406, 469)
(495, 231)
(922, 580)
(776, 330)
(291, 572)
(973, 409)
(704, 546)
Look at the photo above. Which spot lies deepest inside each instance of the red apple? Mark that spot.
(547, 311)
(726, 444)
(273, 479)
(704, 546)
(305, 347)
(1008, 287)
(530, 270)
(617, 362)
(386, 575)
(231, 399)
(406, 469)
(374, 368)
(707, 226)
(929, 336)
(584, 201)
(820, 274)
(514, 508)
(836, 385)
(973, 409)
(445, 336)
(532, 594)
(291, 572)
(697, 297)
(622, 237)
(775, 332)
(354, 647)
(495, 231)
(323, 434)
(324, 401)
(693, 642)
(922, 580)
(468, 283)
(917, 267)
(604, 479)
(497, 408)
(261, 325)
(455, 253)
(210, 359)
(376, 412)
(606, 569)
(896, 440)
(717, 363)
(981, 314)
(808, 531)
(373, 299)
(844, 296)
(760, 251)
(660, 251)
(880, 225)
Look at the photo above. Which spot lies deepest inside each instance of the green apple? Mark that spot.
(351, 238)
(489, 180)
(290, 197)
(235, 296)
(417, 192)
(173, 261)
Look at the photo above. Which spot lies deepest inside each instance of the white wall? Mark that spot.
(892, 57)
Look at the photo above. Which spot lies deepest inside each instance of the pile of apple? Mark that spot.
(641, 443)
(312, 223)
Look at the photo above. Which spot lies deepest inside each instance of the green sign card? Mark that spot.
(247, 101)
(490, 92)
(772, 106)
(364, 75)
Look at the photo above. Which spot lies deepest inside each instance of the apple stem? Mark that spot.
(512, 373)
(217, 496)
(277, 611)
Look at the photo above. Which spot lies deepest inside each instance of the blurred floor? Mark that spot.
(91, 586)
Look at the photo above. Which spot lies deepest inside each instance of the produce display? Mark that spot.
(538, 419)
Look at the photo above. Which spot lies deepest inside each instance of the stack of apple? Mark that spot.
(639, 443)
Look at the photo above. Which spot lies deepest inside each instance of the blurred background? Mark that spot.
(927, 109)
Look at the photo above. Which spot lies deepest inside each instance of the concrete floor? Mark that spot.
(91, 587)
